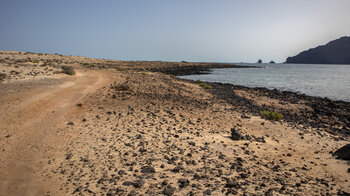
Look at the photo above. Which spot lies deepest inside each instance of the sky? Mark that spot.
(173, 30)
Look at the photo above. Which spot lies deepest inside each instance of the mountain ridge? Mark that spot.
(334, 52)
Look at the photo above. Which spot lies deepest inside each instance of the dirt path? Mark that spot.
(31, 129)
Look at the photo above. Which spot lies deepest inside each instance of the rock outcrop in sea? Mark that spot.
(334, 52)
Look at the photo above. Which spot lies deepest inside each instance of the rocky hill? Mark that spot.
(334, 52)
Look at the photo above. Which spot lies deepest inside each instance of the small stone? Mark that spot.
(121, 172)
(165, 182)
(192, 143)
(69, 156)
(235, 135)
(138, 183)
(148, 169)
(70, 123)
(175, 158)
(169, 190)
(207, 192)
(132, 193)
(231, 184)
(177, 169)
(127, 183)
(183, 182)
(260, 139)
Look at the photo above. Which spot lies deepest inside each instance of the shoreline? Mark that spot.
(115, 128)
(331, 115)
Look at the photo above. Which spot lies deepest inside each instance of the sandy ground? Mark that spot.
(85, 135)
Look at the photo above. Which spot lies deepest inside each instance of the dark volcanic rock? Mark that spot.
(322, 111)
(183, 182)
(138, 183)
(169, 190)
(180, 69)
(148, 169)
(334, 52)
(343, 152)
(235, 135)
(231, 184)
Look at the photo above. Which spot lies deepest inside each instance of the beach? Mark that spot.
(133, 128)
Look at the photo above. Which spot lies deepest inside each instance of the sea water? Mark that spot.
(331, 81)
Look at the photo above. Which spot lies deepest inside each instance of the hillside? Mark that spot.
(334, 52)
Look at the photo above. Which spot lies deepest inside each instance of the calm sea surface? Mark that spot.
(332, 81)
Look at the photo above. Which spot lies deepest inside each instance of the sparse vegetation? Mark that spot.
(203, 84)
(68, 70)
(2, 76)
(121, 87)
(272, 115)
(120, 68)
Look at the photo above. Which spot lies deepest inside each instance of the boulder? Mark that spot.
(236, 135)
(343, 152)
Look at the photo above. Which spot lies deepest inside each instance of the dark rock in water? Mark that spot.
(235, 135)
(272, 62)
(169, 190)
(259, 61)
(343, 152)
(148, 169)
(334, 52)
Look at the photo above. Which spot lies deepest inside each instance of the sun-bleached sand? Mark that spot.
(121, 128)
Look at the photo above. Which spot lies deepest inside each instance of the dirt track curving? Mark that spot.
(31, 121)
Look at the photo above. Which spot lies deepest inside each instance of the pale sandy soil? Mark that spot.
(161, 135)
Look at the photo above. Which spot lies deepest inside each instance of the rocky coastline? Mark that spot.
(330, 115)
(116, 128)
(200, 68)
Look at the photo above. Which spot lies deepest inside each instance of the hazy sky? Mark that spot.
(191, 30)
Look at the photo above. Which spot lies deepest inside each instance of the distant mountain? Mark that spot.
(334, 52)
